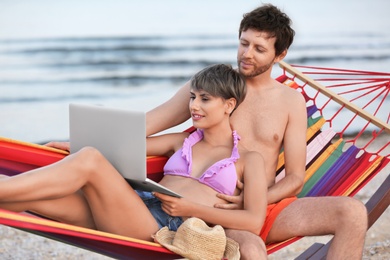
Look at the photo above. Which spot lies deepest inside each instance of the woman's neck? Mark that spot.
(221, 136)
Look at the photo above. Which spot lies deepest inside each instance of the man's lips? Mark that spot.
(246, 63)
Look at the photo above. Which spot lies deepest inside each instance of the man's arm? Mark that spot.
(166, 144)
(169, 114)
(294, 143)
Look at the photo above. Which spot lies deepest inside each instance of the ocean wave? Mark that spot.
(118, 38)
(180, 43)
(130, 81)
(62, 98)
(117, 44)
(131, 62)
(157, 48)
(125, 48)
(190, 59)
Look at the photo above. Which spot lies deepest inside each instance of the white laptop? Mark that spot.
(120, 135)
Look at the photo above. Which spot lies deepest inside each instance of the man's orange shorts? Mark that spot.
(273, 211)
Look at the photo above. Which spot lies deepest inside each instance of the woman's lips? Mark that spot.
(196, 117)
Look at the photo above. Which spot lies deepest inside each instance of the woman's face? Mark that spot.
(207, 110)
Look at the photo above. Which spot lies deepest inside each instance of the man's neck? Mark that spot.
(261, 81)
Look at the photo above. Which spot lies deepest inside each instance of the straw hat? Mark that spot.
(194, 239)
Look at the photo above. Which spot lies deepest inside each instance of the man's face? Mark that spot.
(256, 53)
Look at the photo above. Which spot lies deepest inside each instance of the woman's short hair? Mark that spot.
(220, 80)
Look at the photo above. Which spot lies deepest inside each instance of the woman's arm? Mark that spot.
(251, 218)
(169, 114)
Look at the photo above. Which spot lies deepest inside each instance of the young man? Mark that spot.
(272, 116)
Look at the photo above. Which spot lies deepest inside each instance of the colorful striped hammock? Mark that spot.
(352, 108)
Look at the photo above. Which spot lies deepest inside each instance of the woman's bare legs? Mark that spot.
(114, 205)
(58, 209)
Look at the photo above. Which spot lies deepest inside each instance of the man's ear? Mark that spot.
(230, 105)
(281, 56)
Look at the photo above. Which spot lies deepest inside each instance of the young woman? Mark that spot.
(85, 189)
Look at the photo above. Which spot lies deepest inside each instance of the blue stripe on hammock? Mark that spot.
(345, 161)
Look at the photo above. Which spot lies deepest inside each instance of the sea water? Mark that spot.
(137, 54)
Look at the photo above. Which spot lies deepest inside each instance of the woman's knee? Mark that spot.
(88, 159)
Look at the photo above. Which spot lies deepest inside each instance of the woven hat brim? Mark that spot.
(165, 237)
(232, 250)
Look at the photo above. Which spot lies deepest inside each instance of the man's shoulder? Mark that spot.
(290, 94)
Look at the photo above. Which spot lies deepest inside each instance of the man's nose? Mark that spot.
(247, 53)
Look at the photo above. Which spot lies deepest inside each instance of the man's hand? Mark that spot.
(59, 145)
(235, 202)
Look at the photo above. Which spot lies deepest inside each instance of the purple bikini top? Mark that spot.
(221, 176)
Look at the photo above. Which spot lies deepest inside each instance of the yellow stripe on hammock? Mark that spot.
(321, 159)
(309, 134)
(363, 176)
(38, 146)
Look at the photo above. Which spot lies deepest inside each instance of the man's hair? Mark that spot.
(270, 19)
(220, 80)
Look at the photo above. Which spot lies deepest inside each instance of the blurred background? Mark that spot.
(136, 54)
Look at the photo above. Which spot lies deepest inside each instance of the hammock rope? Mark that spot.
(369, 92)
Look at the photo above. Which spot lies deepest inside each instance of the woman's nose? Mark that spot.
(194, 104)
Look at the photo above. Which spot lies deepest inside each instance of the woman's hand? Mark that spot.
(59, 145)
(235, 202)
(173, 206)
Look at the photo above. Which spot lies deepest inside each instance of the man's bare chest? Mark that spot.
(261, 128)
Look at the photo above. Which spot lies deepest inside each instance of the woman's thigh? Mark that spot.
(116, 207)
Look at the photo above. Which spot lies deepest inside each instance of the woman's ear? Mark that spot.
(230, 105)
